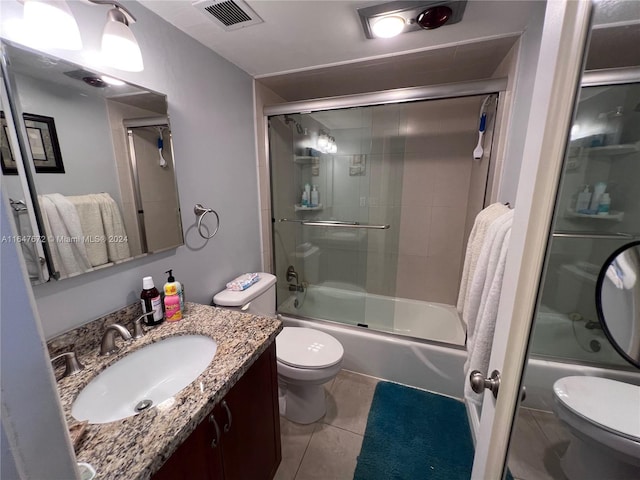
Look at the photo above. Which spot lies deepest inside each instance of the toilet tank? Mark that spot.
(258, 299)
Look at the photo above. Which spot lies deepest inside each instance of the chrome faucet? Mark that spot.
(108, 344)
(71, 363)
(138, 332)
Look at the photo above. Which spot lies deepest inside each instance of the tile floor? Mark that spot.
(329, 448)
(538, 441)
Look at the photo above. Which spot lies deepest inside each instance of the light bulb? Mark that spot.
(323, 141)
(119, 46)
(50, 24)
(388, 27)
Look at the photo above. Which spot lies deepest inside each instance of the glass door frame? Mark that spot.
(557, 81)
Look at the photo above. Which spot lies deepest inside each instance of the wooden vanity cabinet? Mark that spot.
(248, 432)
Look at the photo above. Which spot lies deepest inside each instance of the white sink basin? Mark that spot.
(154, 373)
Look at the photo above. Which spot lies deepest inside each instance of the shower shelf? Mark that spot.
(299, 160)
(614, 150)
(299, 208)
(612, 216)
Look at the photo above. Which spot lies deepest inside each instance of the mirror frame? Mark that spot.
(601, 317)
(27, 165)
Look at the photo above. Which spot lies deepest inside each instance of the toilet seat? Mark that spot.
(609, 404)
(307, 348)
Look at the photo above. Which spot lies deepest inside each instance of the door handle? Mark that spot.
(227, 425)
(479, 383)
(214, 442)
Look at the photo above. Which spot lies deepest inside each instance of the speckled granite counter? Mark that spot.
(136, 447)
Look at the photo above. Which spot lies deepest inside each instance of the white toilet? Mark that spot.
(306, 358)
(603, 417)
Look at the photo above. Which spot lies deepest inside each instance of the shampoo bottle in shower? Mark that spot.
(584, 198)
(315, 197)
(598, 190)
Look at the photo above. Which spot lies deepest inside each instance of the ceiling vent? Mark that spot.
(228, 14)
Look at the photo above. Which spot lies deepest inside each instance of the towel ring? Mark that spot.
(200, 212)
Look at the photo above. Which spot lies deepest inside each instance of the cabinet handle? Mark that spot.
(214, 442)
(227, 425)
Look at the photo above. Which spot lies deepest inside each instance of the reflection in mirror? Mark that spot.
(101, 163)
(618, 301)
(24, 221)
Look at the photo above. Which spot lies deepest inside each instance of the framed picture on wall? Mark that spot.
(43, 141)
(7, 160)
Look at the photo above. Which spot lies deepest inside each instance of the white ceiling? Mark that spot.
(305, 34)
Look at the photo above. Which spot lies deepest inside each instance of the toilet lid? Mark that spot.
(307, 348)
(613, 405)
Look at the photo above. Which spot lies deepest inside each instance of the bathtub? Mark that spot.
(412, 318)
(433, 365)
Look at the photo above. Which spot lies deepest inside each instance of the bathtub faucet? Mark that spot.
(293, 275)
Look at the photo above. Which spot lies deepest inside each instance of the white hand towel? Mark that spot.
(91, 222)
(64, 225)
(479, 347)
(117, 241)
(477, 236)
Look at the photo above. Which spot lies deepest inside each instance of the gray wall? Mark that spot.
(211, 110)
(82, 125)
(525, 76)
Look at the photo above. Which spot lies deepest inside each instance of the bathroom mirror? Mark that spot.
(618, 301)
(97, 154)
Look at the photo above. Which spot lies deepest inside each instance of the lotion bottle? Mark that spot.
(179, 286)
(172, 312)
(151, 302)
(603, 206)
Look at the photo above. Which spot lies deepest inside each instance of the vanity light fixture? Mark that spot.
(51, 23)
(120, 48)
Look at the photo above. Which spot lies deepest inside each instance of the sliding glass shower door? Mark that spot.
(373, 205)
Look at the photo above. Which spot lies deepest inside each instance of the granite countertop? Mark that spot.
(137, 446)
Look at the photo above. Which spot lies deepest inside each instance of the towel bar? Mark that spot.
(336, 224)
(201, 212)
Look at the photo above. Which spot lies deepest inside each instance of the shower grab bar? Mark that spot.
(595, 235)
(336, 223)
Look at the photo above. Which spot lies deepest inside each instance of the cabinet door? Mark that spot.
(195, 459)
(250, 422)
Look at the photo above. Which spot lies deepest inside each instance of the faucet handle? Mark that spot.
(71, 363)
(138, 331)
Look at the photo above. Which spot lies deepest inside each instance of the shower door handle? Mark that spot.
(336, 224)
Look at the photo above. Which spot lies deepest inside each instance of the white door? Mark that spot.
(556, 84)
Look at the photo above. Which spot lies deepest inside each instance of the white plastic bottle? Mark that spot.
(315, 196)
(305, 199)
(605, 203)
(584, 198)
(598, 190)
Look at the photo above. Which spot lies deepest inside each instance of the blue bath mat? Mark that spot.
(413, 434)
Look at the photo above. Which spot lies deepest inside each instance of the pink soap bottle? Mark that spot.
(172, 311)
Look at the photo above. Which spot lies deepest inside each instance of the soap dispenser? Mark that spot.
(172, 311)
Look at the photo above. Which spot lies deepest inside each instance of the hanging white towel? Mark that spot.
(88, 210)
(483, 221)
(117, 241)
(483, 272)
(63, 225)
(489, 279)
